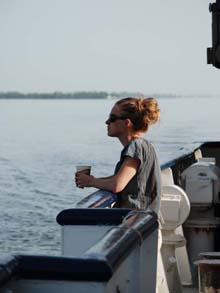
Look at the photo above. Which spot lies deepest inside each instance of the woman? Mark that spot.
(137, 175)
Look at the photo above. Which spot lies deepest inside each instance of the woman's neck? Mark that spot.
(126, 139)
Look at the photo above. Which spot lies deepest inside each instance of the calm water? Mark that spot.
(42, 141)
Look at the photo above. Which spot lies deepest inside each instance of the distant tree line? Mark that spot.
(55, 95)
(83, 95)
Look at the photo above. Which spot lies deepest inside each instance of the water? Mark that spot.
(43, 141)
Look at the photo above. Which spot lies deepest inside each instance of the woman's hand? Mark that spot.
(83, 180)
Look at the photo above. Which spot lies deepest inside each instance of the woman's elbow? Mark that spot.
(117, 187)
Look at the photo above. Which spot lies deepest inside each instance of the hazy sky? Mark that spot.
(144, 46)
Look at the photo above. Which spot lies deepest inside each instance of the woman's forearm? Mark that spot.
(115, 183)
(108, 183)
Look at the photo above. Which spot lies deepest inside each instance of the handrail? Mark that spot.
(98, 199)
(8, 268)
(171, 163)
(98, 263)
(121, 240)
(81, 216)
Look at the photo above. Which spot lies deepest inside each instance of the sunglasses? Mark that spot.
(113, 118)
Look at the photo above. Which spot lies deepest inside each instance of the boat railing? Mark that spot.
(116, 262)
(98, 199)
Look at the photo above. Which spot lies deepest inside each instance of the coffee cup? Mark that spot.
(84, 169)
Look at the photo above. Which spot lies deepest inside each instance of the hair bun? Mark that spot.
(150, 109)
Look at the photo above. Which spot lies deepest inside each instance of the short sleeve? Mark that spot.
(134, 150)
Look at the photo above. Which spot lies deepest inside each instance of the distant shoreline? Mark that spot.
(92, 95)
(56, 95)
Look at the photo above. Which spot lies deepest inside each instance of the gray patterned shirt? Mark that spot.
(144, 188)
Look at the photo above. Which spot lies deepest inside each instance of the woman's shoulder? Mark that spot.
(139, 148)
(142, 145)
(137, 145)
(141, 141)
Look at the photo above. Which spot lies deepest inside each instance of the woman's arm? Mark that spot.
(115, 183)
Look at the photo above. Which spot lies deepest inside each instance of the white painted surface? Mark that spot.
(183, 261)
(175, 208)
(77, 239)
(202, 182)
(174, 197)
(167, 177)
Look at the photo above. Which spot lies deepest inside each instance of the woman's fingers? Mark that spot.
(81, 180)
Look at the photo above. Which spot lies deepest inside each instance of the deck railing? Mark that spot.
(123, 259)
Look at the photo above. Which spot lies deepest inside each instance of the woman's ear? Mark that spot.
(128, 122)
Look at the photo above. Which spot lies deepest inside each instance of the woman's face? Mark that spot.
(115, 122)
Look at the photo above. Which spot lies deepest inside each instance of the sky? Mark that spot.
(145, 46)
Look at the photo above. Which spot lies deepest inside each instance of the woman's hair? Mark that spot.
(141, 111)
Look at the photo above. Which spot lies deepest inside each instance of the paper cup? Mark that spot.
(84, 169)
